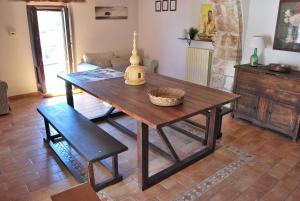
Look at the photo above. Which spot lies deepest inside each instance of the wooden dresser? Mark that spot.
(270, 100)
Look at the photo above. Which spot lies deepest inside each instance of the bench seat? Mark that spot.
(91, 142)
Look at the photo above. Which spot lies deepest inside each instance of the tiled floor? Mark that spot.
(29, 171)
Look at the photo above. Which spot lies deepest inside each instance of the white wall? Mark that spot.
(159, 32)
(102, 35)
(16, 67)
(262, 21)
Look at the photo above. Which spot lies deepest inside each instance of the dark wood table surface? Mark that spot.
(134, 101)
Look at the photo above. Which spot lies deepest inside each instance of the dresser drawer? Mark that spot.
(247, 81)
(273, 82)
(283, 96)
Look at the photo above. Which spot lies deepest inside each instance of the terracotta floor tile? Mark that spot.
(295, 196)
(250, 195)
(290, 160)
(29, 170)
(172, 193)
(3, 187)
(218, 188)
(280, 170)
(168, 183)
(265, 183)
(295, 172)
(282, 189)
(226, 194)
(258, 189)
(150, 193)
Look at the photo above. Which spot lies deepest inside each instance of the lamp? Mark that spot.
(257, 42)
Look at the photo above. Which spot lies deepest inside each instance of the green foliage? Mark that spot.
(193, 32)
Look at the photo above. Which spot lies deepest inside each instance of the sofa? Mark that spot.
(4, 106)
(118, 60)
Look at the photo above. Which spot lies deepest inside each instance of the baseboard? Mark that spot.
(34, 94)
(50, 95)
(21, 96)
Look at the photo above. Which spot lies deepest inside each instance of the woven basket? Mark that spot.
(166, 96)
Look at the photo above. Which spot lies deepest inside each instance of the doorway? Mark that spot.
(51, 45)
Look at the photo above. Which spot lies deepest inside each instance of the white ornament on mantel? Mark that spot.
(135, 74)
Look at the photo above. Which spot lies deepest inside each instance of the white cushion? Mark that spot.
(98, 59)
(122, 53)
(120, 61)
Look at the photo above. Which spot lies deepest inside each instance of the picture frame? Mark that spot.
(165, 5)
(111, 13)
(158, 6)
(287, 34)
(173, 5)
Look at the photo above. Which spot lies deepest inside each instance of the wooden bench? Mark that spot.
(83, 192)
(89, 141)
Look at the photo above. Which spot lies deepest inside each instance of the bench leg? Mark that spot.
(115, 166)
(116, 177)
(91, 176)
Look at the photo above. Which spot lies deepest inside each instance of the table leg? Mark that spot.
(69, 94)
(142, 154)
(214, 127)
(144, 180)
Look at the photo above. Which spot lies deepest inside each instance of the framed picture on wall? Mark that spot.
(165, 5)
(157, 6)
(111, 13)
(287, 34)
(173, 5)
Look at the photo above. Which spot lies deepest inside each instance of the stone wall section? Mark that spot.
(228, 47)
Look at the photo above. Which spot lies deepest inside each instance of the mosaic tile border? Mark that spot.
(218, 177)
(64, 148)
(210, 182)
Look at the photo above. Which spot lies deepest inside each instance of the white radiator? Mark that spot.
(198, 66)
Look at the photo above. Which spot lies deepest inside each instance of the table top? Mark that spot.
(134, 100)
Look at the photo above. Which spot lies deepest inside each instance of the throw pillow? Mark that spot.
(120, 62)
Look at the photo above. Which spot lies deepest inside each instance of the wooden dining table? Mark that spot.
(134, 102)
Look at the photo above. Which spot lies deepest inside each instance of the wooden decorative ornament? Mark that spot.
(135, 74)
